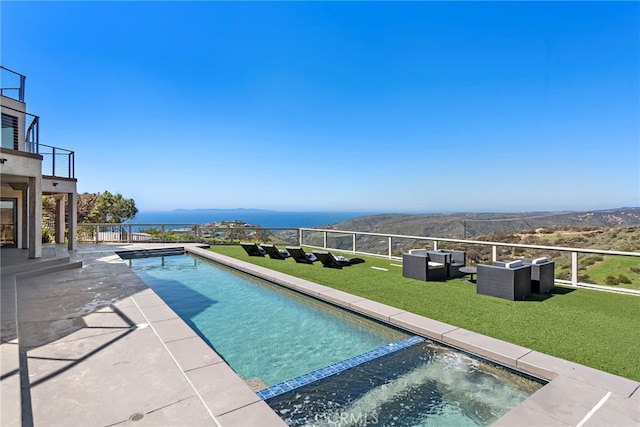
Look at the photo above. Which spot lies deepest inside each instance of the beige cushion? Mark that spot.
(435, 264)
(541, 260)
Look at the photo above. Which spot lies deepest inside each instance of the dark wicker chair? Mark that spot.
(508, 280)
(453, 259)
(418, 265)
(458, 260)
(543, 276)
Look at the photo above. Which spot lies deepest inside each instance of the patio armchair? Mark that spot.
(300, 256)
(417, 264)
(458, 260)
(542, 274)
(454, 260)
(508, 280)
(275, 253)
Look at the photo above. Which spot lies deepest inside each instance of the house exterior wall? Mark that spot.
(15, 108)
(21, 175)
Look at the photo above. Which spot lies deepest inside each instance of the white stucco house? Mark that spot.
(29, 170)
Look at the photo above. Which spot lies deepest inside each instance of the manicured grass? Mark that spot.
(593, 328)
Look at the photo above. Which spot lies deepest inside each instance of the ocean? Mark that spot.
(263, 218)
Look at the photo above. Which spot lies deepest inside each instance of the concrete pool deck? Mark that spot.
(93, 345)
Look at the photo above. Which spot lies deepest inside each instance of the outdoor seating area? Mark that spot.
(512, 280)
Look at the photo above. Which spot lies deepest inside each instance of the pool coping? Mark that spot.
(574, 395)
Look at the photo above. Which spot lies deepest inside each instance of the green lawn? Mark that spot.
(593, 328)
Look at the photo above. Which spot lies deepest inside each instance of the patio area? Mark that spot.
(86, 342)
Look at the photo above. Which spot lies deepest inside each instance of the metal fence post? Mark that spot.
(494, 252)
(390, 247)
(353, 245)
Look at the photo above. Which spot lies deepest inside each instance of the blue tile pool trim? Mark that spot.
(321, 373)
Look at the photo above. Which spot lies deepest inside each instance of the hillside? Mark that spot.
(616, 229)
(472, 225)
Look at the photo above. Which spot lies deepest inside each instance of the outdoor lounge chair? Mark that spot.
(275, 253)
(252, 249)
(418, 265)
(299, 255)
(508, 280)
(335, 261)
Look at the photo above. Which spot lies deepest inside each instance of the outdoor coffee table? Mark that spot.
(470, 271)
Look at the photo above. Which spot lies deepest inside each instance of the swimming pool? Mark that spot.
(265, 332)
(269, 334)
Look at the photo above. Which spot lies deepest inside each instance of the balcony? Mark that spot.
(56, 162)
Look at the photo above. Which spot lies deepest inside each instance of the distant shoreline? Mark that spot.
(258, 217)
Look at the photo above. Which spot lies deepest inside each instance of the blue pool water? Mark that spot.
(262, 330)
(269, 335)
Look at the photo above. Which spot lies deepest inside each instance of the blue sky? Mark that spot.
(339, 106)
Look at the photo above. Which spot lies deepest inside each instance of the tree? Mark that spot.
(96, 207)
(110, 208)
(85, 205)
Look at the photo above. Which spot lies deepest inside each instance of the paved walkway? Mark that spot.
(97, 347)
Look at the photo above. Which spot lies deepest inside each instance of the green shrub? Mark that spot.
(48, 236)
(623, 279)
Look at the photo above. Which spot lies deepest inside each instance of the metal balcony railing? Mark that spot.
(56, 162)
(12, 84)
